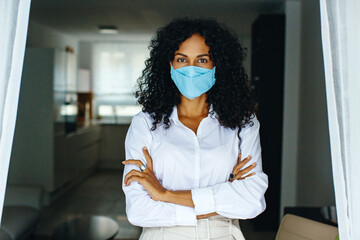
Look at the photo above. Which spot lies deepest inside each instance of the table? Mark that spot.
(86, 228)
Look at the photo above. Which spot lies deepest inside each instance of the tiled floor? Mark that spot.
(101, 194)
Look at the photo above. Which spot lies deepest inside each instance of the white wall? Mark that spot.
(306, 167)
(314, 175)
(28, 122)
(32, 152)
(42, 36)
(85, 54)
(291, 104)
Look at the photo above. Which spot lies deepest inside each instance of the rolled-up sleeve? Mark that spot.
(141, 209)
(241, 199)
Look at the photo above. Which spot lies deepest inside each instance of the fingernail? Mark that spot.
(249, 156)
(254, 164)
(144, 148)
(123, 162)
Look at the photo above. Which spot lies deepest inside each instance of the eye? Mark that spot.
(202, 60)
(182, 60)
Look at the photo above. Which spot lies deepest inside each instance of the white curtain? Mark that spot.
(340, 26)
(14, 17)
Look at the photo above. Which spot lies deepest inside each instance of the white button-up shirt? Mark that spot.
(202, 163)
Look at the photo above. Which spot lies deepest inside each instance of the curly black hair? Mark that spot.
(230, 96)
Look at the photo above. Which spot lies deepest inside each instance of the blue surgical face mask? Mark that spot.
(193, 81)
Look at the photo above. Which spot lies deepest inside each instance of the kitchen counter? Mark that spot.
(59, 127)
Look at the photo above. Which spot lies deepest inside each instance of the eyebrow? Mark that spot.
(201, 55)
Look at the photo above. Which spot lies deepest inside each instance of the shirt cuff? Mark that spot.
(203, 199)
(185, 216)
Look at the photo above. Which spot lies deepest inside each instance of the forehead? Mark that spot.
(194, 45)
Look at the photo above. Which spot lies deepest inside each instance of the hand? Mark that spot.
(238, 172)
(206, 215)
(146, 178)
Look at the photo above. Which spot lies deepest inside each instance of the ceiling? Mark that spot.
(81, 17)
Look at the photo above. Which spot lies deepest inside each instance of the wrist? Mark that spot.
(166, 196)
(181, 197)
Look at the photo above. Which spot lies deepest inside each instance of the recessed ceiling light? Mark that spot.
(108, 29)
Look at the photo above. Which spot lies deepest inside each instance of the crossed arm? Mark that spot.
(149, 204)
(157, 192)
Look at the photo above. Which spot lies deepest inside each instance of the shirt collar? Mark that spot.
(174, 115)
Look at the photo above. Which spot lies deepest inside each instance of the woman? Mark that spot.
(185, 177)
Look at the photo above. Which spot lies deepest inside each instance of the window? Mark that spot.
(116, 67)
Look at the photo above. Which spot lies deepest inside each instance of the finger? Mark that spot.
(241, 164)
(239, 158)
(133, 161)
(238, 177)
(133, 173)
(134, 178)
(249, 175)
(148, 159)
(246, 170)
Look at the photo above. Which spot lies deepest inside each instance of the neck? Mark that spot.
(193, 108)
